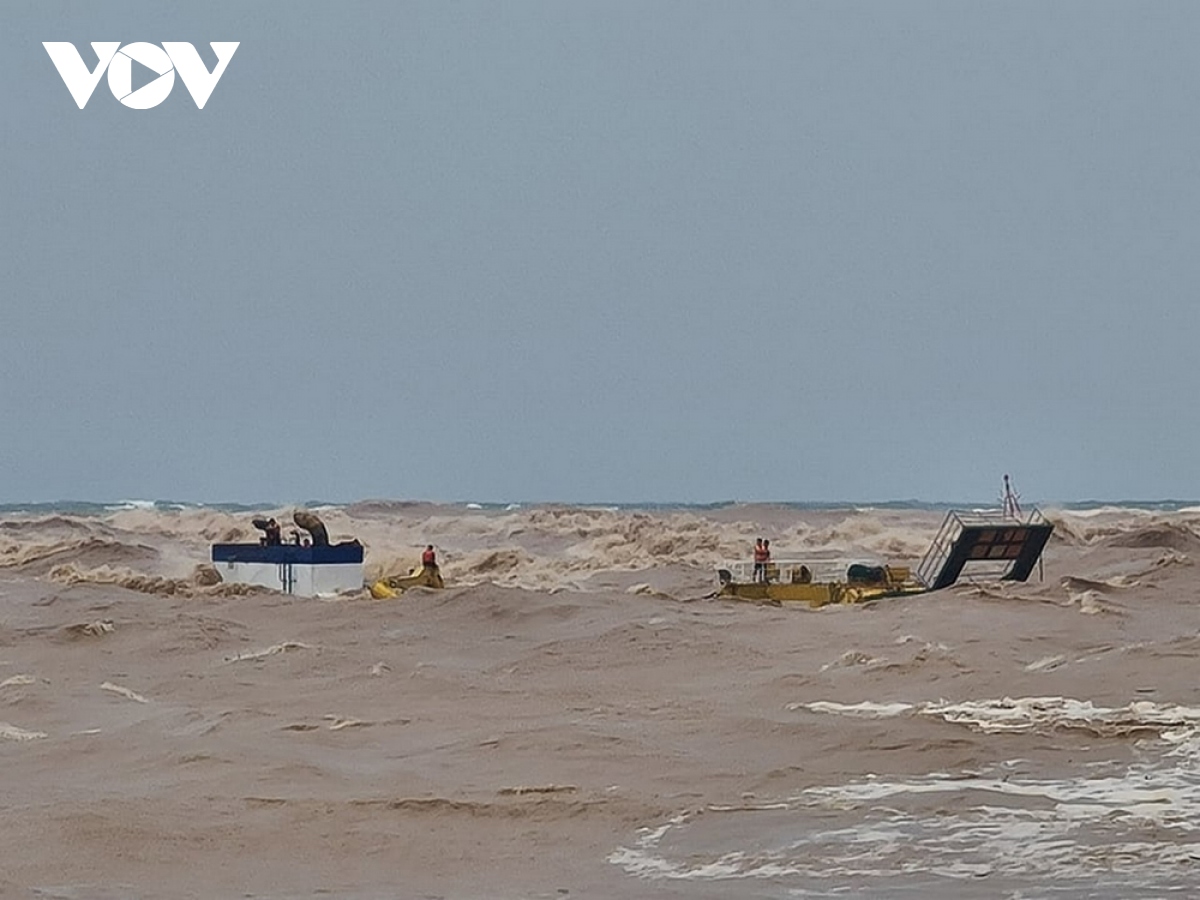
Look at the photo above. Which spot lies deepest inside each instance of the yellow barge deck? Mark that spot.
(981, 544)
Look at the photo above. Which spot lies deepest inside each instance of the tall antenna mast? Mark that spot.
(1011, 501)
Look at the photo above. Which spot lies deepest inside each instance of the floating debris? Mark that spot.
(269, 651)
(538, 789)
(337, 723)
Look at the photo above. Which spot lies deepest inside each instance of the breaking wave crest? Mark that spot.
(538, 548)
(1137, 822)
(558, 547)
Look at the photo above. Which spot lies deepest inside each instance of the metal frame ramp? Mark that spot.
(992, 544)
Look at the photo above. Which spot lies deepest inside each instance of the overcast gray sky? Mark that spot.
(606, 251)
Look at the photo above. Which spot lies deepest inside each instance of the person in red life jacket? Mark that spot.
(761, 555)
(429, 558)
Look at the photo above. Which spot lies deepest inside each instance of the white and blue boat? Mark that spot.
(306, 569)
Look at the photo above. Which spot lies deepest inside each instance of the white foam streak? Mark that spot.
(1047, 713)
(1137, 823)
(864, 710)
(13, 733)
(1030, 713)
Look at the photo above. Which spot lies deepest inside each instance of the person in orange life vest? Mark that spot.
(429, 558)
(760, 561)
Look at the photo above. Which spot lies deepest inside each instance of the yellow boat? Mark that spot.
(790, 581)
(982, 544)
(394, 585)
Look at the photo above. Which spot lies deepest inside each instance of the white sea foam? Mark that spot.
(13, 733)
(1122, 511)
(864, 710)
(1139, 823)
(1058, 713)
(1029, 713)
(123, 692)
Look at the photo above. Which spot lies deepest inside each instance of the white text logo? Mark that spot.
(165, 61)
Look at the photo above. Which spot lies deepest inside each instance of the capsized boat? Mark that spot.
(392, 586)
(306, 567)
(993, 545)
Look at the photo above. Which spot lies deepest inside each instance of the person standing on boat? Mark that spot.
(766, 560)
(761, 555)
(429, 558)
